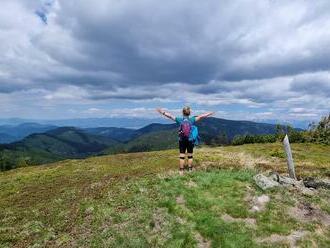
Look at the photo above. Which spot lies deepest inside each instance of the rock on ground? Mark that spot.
(317, 183)
(264, 182)
(276, 180)
(259, 203)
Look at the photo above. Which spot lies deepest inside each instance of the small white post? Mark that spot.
(288, 152)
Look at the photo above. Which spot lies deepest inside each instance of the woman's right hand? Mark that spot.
(159, 110)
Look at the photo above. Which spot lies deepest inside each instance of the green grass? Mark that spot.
(310, 159)
(138, 200)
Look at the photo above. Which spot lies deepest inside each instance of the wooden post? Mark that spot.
(288, 152)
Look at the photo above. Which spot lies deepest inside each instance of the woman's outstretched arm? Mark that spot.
(202, 116)
(166, 114)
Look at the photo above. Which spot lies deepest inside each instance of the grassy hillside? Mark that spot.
(212, 127)
(54, 145)
(126, 135)
(138, 200)
(116, 133)
(153, 141)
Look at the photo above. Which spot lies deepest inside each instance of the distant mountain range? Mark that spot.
(126, 122)
(12, 133)
(112, 127)
(303, 124)
(45, 143)
(129, 122)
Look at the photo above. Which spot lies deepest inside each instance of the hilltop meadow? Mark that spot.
(139, 200)
(95, 97)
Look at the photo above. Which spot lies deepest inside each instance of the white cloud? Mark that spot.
(66, 93)
(248, 54)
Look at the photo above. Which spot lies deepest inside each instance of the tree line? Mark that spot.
(316, 133)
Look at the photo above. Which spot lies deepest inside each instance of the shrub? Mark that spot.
(6, 162)
(320, 133)
(238, 140)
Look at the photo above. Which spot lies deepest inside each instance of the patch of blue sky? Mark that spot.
(42, 15)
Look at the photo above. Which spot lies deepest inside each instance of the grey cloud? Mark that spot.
(7, 87)
(141, 96)
(233, 51)
(181, 41)
(314, 85)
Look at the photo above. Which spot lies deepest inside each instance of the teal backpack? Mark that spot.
(194, 137)
(189, 131)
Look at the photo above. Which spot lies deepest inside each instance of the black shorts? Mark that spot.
(186, 145)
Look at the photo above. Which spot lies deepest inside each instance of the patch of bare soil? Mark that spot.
(180, 220)
(159, 227)
(168, 174)
(191, 184)
(158, 219)
(257, 203)
(201, 241)
(306, 212)
(250, 222)
(290, 239)
(207, 164)
(180, 200)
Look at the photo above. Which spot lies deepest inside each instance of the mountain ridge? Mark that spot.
(74, 142)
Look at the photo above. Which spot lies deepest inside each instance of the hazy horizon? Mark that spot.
(127, 122)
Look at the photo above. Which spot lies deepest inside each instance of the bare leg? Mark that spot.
(190, 161)
(182, 162)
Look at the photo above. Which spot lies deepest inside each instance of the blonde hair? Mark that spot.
(186, 111)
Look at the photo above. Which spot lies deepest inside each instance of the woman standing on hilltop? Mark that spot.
(186, 144)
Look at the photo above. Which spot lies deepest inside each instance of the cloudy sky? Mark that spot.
(244, 59)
